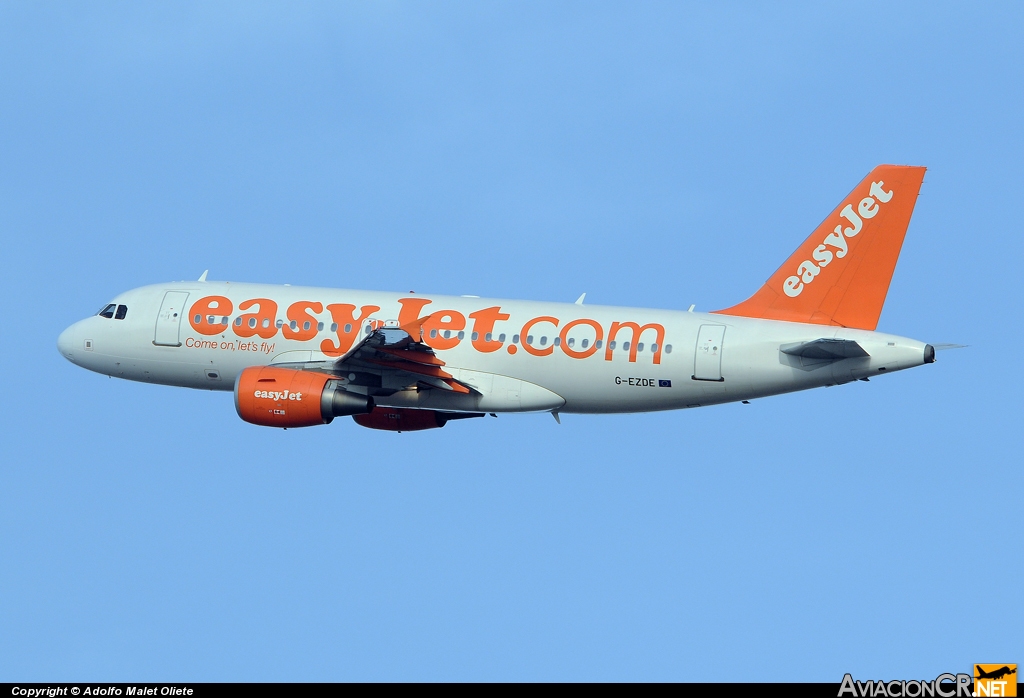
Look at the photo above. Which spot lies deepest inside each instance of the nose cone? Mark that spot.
(66, 344)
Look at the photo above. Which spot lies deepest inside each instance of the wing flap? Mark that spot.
(394, 353)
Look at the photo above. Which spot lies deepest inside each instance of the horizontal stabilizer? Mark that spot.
(826, 349)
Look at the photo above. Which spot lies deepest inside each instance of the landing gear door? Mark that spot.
(707, 362)
(168, 321)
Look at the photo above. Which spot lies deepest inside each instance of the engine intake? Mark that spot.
(284, 397)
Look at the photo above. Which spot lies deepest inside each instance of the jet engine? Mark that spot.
(284, 397)
(398, 419)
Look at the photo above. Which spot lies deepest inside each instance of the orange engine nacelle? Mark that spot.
(284, 397)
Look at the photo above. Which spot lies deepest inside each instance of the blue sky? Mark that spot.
(650, 154)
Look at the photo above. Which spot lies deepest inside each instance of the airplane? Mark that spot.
(996, 674)
(302, 356)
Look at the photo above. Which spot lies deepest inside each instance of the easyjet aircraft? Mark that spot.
(299, 356)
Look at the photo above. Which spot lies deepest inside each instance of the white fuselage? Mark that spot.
(514, 364)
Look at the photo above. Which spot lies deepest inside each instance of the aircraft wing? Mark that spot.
(387, 360)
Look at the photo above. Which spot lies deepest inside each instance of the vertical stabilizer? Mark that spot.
(840, 275)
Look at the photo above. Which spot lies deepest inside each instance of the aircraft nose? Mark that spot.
(66, 343)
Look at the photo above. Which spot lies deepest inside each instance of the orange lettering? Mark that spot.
(409, 316)
(526, 331)
(589, 351)
(207, 313)
(343, 315)
(483, 325)
(260, 322)
(437, 323)
(637, 331)
(300, 315)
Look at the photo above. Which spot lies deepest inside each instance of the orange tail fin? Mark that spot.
(841, 273)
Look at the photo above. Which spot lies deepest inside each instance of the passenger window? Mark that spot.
(462, 335)
(198, 318)
(122, 310)
(584, 343)
(348, 328)
(238, 321)
(598, 344)
(515, 339)
(305, 325)
(266, 322)
(319, 327)
(557, 341)
(640, 346)
(433, 334)
(668, 348)
(476, 335)
(625, 346)
(279, 323)
(611, 345)
(501, 337)
(224, 320)
(294, 325)
(529, 339)
(654, 348)
(543, 341)
(447, 334)
(252, 322)
(334, 327)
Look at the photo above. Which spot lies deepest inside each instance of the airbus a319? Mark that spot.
(300, 356)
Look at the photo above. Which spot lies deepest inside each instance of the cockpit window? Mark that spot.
(122, 310)
(108, 311)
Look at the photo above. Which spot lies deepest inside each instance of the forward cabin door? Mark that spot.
(707, 363)
(168, 321)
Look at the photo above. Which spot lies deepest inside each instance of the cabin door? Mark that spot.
(707, 363)
(168, 321)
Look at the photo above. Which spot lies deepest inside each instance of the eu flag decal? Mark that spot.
(664, 384)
